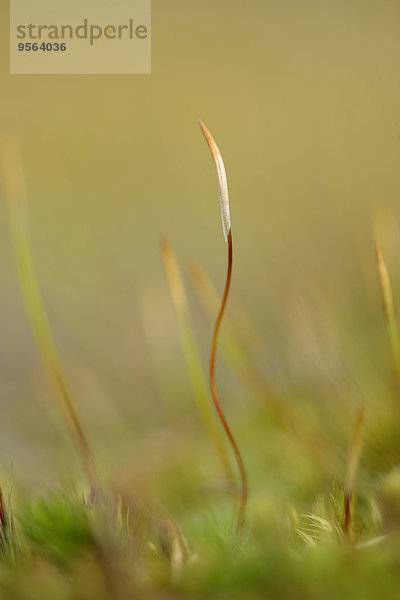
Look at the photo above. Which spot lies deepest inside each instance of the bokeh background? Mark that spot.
(303, 99)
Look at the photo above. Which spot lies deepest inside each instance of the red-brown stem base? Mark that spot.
(346, 522)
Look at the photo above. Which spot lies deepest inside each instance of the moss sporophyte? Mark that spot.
(227, 230)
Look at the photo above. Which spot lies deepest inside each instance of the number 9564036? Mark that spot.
(44, 47)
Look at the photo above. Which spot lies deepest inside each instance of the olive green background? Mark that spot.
(303, 99)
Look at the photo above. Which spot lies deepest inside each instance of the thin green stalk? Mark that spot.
(16, 197)
(355, 449)
(388, 308)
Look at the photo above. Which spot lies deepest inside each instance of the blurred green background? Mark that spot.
(303, 99)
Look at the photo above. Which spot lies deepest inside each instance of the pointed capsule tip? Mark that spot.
(221, 178)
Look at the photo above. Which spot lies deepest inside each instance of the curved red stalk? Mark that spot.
(238, 456)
